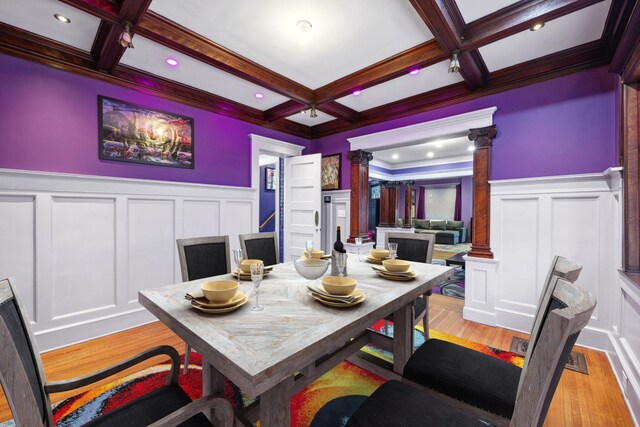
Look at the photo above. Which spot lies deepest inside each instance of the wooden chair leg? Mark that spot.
(187, 354)
(425, 320)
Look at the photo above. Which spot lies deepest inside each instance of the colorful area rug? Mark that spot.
(328, 401)
(454, 285)
(445, 251)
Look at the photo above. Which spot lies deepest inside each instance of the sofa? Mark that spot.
(447, 232)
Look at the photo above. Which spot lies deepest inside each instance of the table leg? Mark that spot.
(275, 405)
(212, 383)
(402, 337)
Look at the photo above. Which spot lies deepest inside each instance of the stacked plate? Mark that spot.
(392, 275)
(320, 294)
(203, 304)
(239, 274)
(374, 260)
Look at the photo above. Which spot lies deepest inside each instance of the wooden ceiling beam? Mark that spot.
(423, 55)
(106, 49)
(103, 9)
(626, 59)
(445, 22)
(283, 110)
(339, 111)
(617, 20)
(515, 18)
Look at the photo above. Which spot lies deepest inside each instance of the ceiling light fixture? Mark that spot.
(62, 18)
(259, 95)
(171, 61)
(430, 154)
(537, 26)
(304, 26)
(454, 66)
(356, 92)
(395, 157)
(126, 38)
(312, 112)
(414, 71)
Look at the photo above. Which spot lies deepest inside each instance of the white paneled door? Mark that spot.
(302, 188)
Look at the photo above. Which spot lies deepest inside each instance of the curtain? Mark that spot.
(457, 212)
(420, 203)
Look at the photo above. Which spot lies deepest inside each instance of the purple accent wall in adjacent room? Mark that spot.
(558, 127)
(49, 121)
(267, 202)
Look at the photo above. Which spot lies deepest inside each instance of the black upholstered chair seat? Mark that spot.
(419, 306)
(397, 404)
(150, 408)
(468, 375)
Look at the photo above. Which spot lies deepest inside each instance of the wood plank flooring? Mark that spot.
(580, 400)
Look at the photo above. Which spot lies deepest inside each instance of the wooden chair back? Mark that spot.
(416, 247)
(560, 267)
(568, 313)
(262, 246)
(21, 373)
(202, 257)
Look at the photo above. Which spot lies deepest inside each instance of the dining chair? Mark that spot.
(262, 246)
(202, 257)
(417, 248)
(476, 378)
(397, 403)
(27, 390)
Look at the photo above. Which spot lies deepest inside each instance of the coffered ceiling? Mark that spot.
(355, 62)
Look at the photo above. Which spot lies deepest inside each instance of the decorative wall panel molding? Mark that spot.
(80, 247)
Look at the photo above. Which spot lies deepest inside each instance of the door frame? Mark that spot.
(263, 145)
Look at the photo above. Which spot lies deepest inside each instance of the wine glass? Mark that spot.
(257, 271)
(309, 247)
(358, 242)
(341, 262)
(238, 256)
(393, 250)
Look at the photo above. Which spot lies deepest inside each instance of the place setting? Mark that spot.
(395, 269)
(217, 297)
(243, 266)
(337, 291)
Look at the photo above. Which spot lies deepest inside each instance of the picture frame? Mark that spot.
(269, 179)
(331, 171)
(133, 133)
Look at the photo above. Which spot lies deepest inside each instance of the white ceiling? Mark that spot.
(307, 120)
(567, 31)
(149, 56)
(427, 79)
(37, 16)
(346, 36)
(474, 9)
(445, 150)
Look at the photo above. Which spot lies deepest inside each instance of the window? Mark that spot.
(440, 202)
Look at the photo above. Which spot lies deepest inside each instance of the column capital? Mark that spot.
(390, 184)
(409, 182)
(483, 137)
(360, 157)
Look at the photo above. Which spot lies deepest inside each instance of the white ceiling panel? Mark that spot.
(444, 150)
(36, 16)
(149, 56)
(474, 9)
(305, 119)
(345, 37)
(427, 79)
(563, 33)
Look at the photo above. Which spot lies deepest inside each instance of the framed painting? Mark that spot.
(135, 134)
(269, 179)
(331, 172)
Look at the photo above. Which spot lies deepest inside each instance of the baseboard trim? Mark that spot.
(622, 367)
(479, 316)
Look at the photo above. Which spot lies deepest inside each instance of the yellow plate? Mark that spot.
(383, 270)
(373, 260)
(397, 278)
(242, 302)
(247, 276)
(204, 303)
(358, 294)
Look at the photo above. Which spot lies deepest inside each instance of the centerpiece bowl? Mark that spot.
(311, 269)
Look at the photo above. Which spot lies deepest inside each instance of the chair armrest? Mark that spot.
(73, 383)
(214, 401)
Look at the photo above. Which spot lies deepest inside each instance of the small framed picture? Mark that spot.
(331, 171)
(270, 179)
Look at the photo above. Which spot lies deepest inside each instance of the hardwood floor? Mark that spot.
(580, 400)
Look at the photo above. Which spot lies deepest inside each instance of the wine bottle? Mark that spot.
(338, 246)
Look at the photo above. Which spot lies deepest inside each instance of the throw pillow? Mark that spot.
(422, 223)
(455, 225)
(438, 224)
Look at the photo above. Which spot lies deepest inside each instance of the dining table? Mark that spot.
(274, 353)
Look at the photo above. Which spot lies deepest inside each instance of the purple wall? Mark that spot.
(50, 123)
(558, 127)
(267, 202)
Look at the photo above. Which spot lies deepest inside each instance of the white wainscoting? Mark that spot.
(81, 247)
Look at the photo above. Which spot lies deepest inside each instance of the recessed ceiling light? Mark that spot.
(430, 154)
(304, 26)
(62, 18)
(471, 148)
(395, 157)
(537, 26)
(171, 61)
(259, 95)
(414, 71)
(356, 92)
